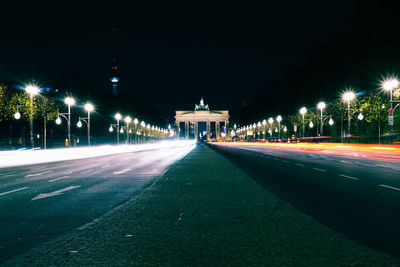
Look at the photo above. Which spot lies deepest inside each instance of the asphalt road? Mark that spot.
(43, 201)
(357, 196)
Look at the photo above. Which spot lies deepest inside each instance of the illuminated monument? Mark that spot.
(191, 119)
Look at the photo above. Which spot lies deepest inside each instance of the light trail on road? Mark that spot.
(372, 151)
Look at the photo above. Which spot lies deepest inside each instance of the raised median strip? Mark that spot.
(205, 211)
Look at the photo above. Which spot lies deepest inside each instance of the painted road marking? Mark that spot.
(55, 193)
(348, 162)
(66, 173)
(321, 170)
(298, 164)
(64, 177)
(7, 174)
(347, 176)
(86, 171)
(390, 187)
(122, 171)
(37, 174)
(363, 164)
(105, 166)
(12, 191)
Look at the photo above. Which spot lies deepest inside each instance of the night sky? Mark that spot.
(169, 56)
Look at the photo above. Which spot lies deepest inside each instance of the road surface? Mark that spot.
(354, 193)
(40, 202)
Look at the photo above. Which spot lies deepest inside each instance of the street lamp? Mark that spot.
(32, 90)
(279, 119)
(118, 117)
(270, 121)
(89, 108)
(390, 85)
(303, 111)
(348, 96)
(321, 106)
(360, 118)
(331, 122)
(127, 121)
(70, 102)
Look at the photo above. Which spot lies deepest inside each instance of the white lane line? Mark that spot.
(381, 165)
(7, 174)
(12, 191)
(348, 162)
(349, 177)
(66, 173)
(363, 164)
(122, 171)
(105, 166)
(55, 193)
(53, 180)
(298, 164)
(86, 171)
(321, 170)
(390, 187)
(37, 174)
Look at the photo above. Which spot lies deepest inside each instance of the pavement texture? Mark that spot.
(204, 212)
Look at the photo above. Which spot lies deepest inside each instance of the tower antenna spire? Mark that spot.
(114, 67)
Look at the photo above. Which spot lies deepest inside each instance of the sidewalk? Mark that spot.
(204, 212)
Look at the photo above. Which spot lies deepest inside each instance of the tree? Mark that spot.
(4, 103)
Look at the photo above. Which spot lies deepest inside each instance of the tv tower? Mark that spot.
(114, 67)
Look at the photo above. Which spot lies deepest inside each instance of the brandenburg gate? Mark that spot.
(202, 113)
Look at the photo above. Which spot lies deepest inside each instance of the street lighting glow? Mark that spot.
(58, 120)
(128, 119)
(303, 110)
(32, 90)
(17, 115)
(330, 121)
(79, 124)
(279, 118)
(321, 105)
(264, 122)
(69, 101)
(360, 116)
(143, 124)
(270, 120)
(135, 121)
(348, 96)
(311, 124)
(89, 107)
(111, 129)
(118, 116)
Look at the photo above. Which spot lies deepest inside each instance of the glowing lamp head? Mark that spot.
(330, 121)
(17, 115)
(264, 122)
(311, 124)
(258, 124)
(128, 119)
(89, 107)
(303, 110)
(121, 131)
(321, 105)
(58, 120)
(118, 116)
(79, 124)
(348, 96)
(135, 121)
(69, 101)
(32, 90)
(360, 116)
(110, 129)
(270, 120)
(285, 129)
(279, 118)
(148, 126)
(143, 124)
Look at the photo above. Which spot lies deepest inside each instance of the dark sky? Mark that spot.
(169, 56)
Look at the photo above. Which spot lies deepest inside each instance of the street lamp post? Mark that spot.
(270, 121)
(136, 121)
(389, 85)
(89, 108)
(118, 117)
(279, 119)
(32, 90)
(321, 106)
(127, 121)
(303, 111)
(348, 96)
(360, 118)
(70, 102)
